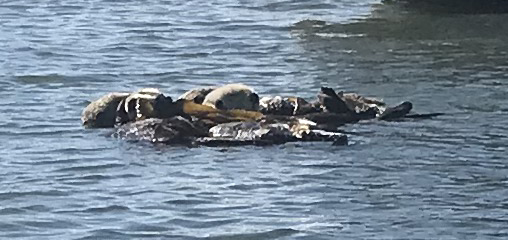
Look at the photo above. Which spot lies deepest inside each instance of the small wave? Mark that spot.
(88, 177)
(11, 211)
(46, 78)
(37, 208)
(50, 193)
(283, 6)
(105, 234)
(272, 234)
(111, 208)
(202, 224)
(187, 202)
(49, 224)
(246, 187)
(90, 167)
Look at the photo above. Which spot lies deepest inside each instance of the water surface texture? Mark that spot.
(445, 178)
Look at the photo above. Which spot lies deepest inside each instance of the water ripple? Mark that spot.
(421, 179)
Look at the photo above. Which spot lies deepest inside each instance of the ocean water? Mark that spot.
(444, 178)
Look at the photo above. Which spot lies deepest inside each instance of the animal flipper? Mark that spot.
(331, 102)
(396, 112)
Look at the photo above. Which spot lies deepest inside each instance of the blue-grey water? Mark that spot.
(445, 178)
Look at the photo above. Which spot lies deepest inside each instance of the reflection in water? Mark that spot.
(399, 47)
(441, 62)
(452, 6)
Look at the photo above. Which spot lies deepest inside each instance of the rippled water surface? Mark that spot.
(445, 178)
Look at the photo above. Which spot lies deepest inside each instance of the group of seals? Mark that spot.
(234, 114)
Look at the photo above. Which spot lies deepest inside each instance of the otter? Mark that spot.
(270, 132)
(197, 95)
(361, 104)
(176, 130)
(233, 96)
(330, 111)
(149, 115)
(367, 108)
(192, 131)
(363, 108)
(101, 113)
(287, 106)
(138, 105)
(118, 108)
(185, 121)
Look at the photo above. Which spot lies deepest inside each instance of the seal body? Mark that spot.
(101, 113)
(194, 131)
(289, 106)
(177, 130)
(137, 106)
(269, 132)
(331, 102)
(197, 95)
(360, 107)
(233, 96)
(118, 108)
(360, 104)
(233, 115)
(396, 112)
